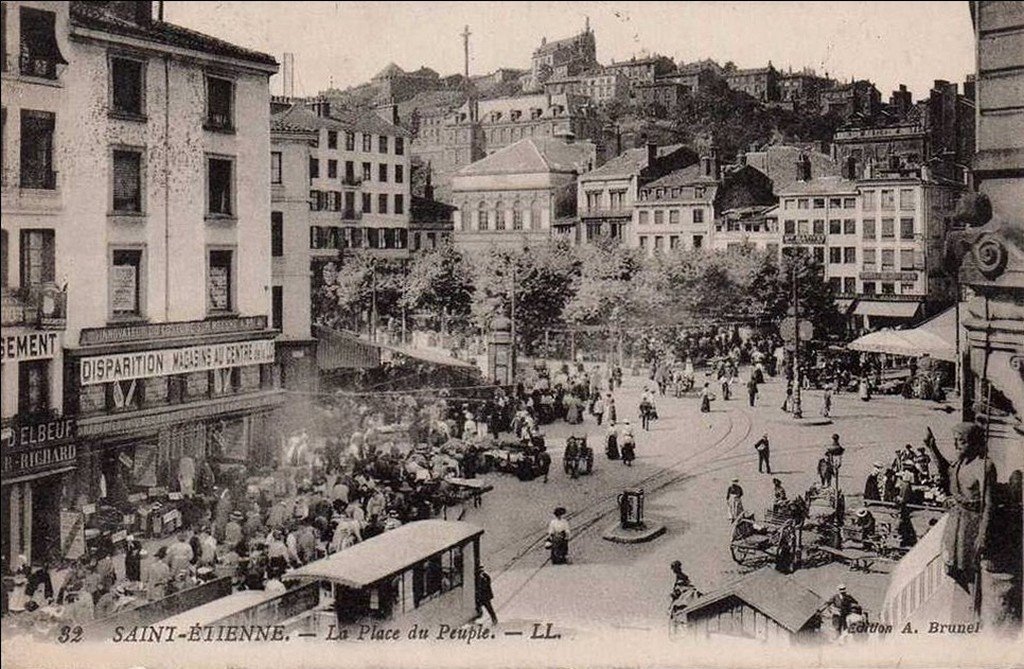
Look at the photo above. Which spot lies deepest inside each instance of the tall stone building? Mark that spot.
(562, 58)
(136, 157)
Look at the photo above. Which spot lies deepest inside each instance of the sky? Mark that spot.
(346, 43)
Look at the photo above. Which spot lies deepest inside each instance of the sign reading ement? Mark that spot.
(166, 362)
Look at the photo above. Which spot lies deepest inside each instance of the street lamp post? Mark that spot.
(797, 408)
(834, 454)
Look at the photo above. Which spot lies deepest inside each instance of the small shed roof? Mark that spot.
(388, 554)
(778, 596)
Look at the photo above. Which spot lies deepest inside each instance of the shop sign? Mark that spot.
(803, 239)
(148, 332)
(889, 276)
(26, 346)
(33, 446)
(167, 362)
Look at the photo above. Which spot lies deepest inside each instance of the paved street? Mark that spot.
(685, 464)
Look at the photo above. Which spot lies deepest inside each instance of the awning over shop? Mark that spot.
(886, 309)
(935, 337)
(428, 355)
(340, 350)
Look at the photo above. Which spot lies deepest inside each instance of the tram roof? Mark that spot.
(387, 554)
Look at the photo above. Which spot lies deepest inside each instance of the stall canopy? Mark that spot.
(935, 337)
(886, 309)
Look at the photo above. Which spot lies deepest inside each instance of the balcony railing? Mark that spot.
(353, 182)
(42, 305)
(43, 68)
(38, 178)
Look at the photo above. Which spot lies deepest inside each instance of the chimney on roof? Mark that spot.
(652, 154)
(709, 166)
(428, 187)
(803, 167)
(321, 107)
(288, 74)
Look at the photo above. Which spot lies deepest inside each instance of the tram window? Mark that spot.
(427, 579)
(408, 592)
(451, 569)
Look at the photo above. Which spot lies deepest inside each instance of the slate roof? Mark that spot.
(687, 176)
(781, 165)
(298, 118)
(629, 162)
(821, 186)
(93, 16)
(530, 156)
(778, 596)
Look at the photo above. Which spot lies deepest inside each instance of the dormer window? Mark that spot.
(516, 115)
(535, 113)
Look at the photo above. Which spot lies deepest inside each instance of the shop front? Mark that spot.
(38, 456)
(167, 420)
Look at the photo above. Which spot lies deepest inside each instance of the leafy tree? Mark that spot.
(772, 289)
(440, 283)
(345, 290)
(611, 288)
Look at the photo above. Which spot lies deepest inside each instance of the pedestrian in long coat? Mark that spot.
(734, 500)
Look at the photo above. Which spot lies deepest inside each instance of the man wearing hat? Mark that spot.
(763, 448)
(734, 500)
(865, 521)
(484, 594)
(843, 605)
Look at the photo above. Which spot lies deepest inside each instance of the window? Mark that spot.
(819, 254)
(276, 234)
(802, 203)
(382, 173)
(644, 217)
(332, 139)
(849, 227)
(38, 257)
(819, 203)
(517, 216)
(350, 141)
(382, 144)
(593, 200)
(483, 222)
(673, 217)
(399, 174)
(887, 200)
(40, 53)
(835, 202)
(366, 203)
(698, 215)
(220, 95)
(868, 229)
(849, 203)
(837, 283)
(906, 228)
(908, 199)
(819, 227)
(803, 227)
(868, 259)
(399, 204)
(643, 242)
(275, 167)
(3, 258)
(907, 259)
(219, 281)
(37, 149)
(126, 278)
(849, 284)
(888, 259)
(367, 171)
(276, 307)
(870, 203)
(382, 203)
(789, 227)
(698, 241)
(127, 180)
(220, 187)
(33, 387)
(332, 169)
(399, 146)
(535, 217)
(835, 227)
(350, 204)
(869, 288)
(673, 242)
(659, 243)
(659, 216)
(888, 228)
(367, 143)
(127, 86)
(888, 288)
(849, 255)
(906, 288)
(314, 168)
(835, 255)
(788, 204)
(350, 173)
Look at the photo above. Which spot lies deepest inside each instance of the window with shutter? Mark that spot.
(127, 181)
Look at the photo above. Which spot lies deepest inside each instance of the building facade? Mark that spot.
(642, 70)
(562, 58)
(168, 357)
(760, 83)
(601, 87)
(880, 240)
(606, 196)
(521, 195)
(857, 99)
(677, 211)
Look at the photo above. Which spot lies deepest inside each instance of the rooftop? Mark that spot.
(821, 186)
(777, 596)
(629, 162)
(96, 16)
(688, 176)
(533, 155)
(299, 118)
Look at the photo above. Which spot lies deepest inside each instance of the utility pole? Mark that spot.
(465, 50)
(512, 316)
(373, 300)
(797, 409)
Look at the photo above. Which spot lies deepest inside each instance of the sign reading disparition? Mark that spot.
(166, 362)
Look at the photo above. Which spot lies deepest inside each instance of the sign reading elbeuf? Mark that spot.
(166, 362)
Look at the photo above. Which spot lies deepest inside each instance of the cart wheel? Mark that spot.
(739, 554)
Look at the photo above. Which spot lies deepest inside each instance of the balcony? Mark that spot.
(42, 305)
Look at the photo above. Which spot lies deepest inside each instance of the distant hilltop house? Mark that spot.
(396, 85)
(562, 58)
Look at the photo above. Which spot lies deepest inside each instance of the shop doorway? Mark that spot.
(46, 494)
